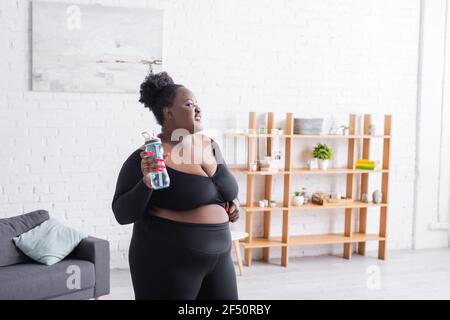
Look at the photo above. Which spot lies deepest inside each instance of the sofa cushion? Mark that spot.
(12, 227)
(36, 281)
(49, 242)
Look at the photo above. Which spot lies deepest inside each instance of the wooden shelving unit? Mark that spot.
(286, 240)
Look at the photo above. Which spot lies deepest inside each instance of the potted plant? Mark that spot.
(345, 129)
(298, 198)
(323, 153)
(371, 129)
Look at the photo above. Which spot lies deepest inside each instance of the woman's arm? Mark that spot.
(232, 207)
(132, 196)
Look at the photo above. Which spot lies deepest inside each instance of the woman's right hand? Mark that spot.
(151, 164)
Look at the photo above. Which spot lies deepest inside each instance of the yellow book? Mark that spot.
(364, 161)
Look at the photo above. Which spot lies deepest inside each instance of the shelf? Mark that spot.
(355, 204)
(312, 206)
(307, 171)
(368, 136)
(258, 173)
(259, 135)
(324, 136)
(329, 238)
(339, 136)
(335, 171)
(255, 207)
(332, 238)
(263, 243)
(310, 136)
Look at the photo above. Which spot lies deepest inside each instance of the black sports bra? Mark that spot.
(188, 191)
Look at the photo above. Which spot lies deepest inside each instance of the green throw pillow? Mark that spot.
(49, 242)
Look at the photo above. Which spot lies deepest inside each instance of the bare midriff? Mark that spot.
(210, 213)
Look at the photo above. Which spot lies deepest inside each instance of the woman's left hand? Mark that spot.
(233, 210)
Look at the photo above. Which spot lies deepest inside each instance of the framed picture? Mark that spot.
(93, 48)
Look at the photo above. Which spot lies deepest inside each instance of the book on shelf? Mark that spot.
(365, 167)
(365, 164)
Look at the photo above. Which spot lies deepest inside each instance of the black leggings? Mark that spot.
(183, 261)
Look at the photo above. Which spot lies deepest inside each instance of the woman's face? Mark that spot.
(185, 113)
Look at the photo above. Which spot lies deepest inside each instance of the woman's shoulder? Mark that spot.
(138, 151)
(215, 147)
(206, 139)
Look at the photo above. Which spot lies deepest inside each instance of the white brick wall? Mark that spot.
(63, 151)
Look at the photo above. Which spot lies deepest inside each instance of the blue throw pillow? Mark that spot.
(49, 242)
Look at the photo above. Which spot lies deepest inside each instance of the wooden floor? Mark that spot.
(422, 274)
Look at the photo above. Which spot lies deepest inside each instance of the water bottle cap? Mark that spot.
(150, 138)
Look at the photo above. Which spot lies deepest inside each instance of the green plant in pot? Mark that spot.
(323, 153)
(346, 129)
(298, 199)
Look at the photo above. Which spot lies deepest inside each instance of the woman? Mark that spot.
(181, 243)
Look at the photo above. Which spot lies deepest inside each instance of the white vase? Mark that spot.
(312, 164)
(323, 164)
(299, 200)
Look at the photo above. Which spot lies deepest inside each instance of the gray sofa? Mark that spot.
(23, 279)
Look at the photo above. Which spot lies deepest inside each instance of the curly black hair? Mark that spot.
(158, 91)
